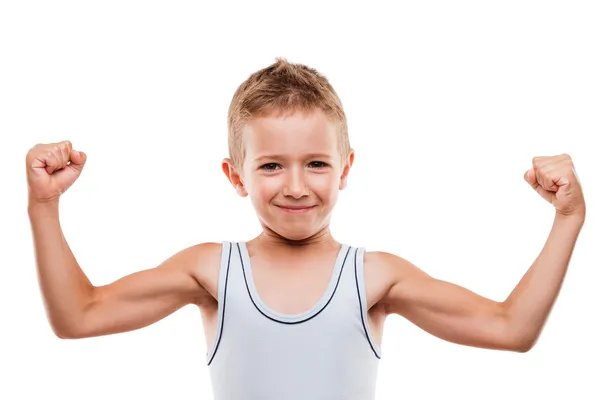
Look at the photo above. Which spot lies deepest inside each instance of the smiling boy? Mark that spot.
(293, 313)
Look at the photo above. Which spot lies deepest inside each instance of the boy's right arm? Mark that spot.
(74, 306)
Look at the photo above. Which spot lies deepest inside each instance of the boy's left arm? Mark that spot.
(458, 315)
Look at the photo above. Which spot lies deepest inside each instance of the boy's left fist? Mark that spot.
(555, 179)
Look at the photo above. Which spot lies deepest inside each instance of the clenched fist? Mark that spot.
(555, 179)
(51, 170)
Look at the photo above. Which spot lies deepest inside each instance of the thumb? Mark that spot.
(530, 178)
(78, 159)
(532, 181)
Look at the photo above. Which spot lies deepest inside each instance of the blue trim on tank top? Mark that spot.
(363, 309)
(288, 318)
(222, 315)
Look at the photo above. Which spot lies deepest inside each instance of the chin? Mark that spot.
(297, 235)
(289, 232)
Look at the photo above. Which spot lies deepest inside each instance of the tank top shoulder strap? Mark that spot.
(227, 254)
(359, 279)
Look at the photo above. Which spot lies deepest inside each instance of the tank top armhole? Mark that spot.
(359, 273)
(226, 248)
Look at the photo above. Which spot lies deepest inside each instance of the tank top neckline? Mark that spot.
(292, 318)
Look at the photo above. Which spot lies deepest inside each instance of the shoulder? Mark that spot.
(385, 271)
(202, 262)
(388, 265)
(200, 256)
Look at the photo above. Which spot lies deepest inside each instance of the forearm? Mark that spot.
(65, 288)
(530, 303)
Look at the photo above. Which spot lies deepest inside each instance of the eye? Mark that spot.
(269, 166)
(318, 164)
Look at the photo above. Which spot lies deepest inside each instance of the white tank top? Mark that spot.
(324, 353)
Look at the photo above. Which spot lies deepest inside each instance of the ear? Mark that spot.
(233, 177)
(346, 170)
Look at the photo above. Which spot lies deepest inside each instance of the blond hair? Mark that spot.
(281, 88)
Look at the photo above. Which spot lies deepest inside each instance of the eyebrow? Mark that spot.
(279, 157)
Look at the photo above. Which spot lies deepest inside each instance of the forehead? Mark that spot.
(291, 135)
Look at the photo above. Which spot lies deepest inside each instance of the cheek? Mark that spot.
(265, 188)
(325, 186)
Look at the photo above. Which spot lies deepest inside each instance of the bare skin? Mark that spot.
(280, 171)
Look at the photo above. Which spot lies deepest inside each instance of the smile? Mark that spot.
(296, 210)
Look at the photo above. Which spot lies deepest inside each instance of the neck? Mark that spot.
(321, 238)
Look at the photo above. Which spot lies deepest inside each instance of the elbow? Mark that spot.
(63, 334)
(63, 330)
(525, 346)
(521, 349)
(521, 344)
(69, 334)
(510, 343)
(71, 324)
(518, 337)
(66, 333)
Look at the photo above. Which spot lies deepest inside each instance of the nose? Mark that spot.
(295, 183)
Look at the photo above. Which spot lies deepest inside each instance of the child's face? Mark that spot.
(292, 161)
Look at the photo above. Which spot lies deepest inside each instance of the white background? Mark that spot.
(447, 104)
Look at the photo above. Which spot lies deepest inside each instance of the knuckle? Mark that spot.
(34, 150)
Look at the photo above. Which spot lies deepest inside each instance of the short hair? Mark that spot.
(281, 88)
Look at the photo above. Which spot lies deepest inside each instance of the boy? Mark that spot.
(292, 313)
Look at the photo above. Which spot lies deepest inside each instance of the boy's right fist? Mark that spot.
(51, 170)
